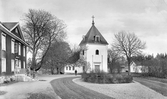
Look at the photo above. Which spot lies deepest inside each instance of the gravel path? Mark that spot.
(67, 89)
(122, 91)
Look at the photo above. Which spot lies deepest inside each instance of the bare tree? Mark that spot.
(41, 30)
(128, 44)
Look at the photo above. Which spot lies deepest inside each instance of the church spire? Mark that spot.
(93, 20)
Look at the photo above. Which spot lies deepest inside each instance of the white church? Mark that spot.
(94, 51)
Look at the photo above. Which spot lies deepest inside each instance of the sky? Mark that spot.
(146, 18)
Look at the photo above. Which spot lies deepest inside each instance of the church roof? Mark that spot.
(89, 38)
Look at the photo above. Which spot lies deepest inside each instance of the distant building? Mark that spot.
(94, 50)
(71, 69)
(136, 68)
(12, 49)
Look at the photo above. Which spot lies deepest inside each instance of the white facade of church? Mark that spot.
(94, 49)
(96, 57)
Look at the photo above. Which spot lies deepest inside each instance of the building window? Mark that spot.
(19, 49)
(73, 67)
(3, 42)
(16, 47)
(83, 52)
(3, 64)
(12, 65)
(19, 63)
(24, 64)
(16, 31)
(66, 68)
(12, 45)
(97, 38)
(23, 50)
(97, 52)
(69, 67)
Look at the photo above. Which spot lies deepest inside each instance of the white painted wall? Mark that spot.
(67, 70)
(94, 59)
(138, 69)
(91, 57)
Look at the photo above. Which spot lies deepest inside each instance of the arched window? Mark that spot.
(97, 38)
(97, 52)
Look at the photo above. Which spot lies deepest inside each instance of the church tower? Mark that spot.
(94, 50)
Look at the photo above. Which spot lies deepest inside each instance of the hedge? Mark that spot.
(104, 78)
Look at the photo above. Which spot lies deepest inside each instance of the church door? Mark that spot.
(97, 68)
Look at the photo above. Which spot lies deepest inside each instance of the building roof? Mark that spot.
(10, 25)
(89, 38)
(7, 31)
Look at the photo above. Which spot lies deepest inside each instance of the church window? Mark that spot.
(66, 68)
(97, 38)
(97, 52)
(69, 67)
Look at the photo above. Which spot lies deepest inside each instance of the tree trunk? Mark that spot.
(52, 70)
(33, 65)
(57, 70)
(128, 65)
(119, 68)
(42, 60)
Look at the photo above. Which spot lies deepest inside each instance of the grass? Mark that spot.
(163, 80)
(39, 96)
(156, 84)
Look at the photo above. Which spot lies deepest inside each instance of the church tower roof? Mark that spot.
(93, 36)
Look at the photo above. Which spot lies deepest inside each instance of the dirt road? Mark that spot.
(67, 89)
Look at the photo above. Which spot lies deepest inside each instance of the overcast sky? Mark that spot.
(146, 18)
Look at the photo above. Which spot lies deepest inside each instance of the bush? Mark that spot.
(103, 78)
